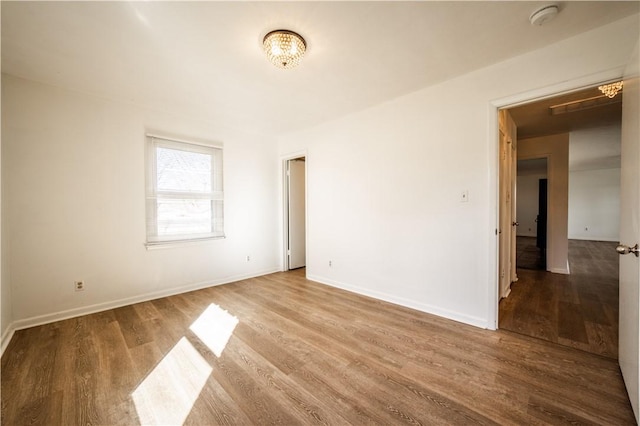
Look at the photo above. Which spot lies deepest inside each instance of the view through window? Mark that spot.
(184, 191)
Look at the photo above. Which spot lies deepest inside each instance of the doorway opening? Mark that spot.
(568, 156)
(532, 201)
(295, 256)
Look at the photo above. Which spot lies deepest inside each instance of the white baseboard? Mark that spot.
(92, 309)
(6, 338)
(422, 307)
(564, 271)
(507, 293)
(594, 238)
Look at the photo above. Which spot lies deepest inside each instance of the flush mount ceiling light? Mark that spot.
(284, 48)
(611, 90)
(544, 14)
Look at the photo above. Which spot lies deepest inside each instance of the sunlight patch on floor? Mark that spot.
(169, 392)
(215, 327)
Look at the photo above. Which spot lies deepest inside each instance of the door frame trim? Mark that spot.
(493, 134)
(284, 192)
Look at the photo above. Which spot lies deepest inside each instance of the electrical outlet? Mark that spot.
(79, 285)
(248, 258)
(464, 196)
(330, 264)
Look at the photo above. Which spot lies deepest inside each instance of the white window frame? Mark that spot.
(216, 195)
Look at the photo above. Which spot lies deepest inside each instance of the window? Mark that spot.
(184, 191)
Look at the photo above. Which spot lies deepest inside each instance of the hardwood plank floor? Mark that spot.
(528, 255)
(578, 310)
(297, 352)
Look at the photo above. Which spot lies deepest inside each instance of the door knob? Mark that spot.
(622, 249)
(515, 224)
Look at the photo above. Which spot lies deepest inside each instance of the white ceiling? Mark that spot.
(204, 58)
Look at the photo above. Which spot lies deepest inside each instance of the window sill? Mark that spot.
(179, 243)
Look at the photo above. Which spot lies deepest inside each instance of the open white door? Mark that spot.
(629, 341)
(296, 213)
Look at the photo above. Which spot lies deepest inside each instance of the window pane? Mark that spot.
(181, 217)
(185, 199)
(183, 171)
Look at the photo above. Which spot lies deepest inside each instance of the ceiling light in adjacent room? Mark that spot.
(611, 90)
(284, 48)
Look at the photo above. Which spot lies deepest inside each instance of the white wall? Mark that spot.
(595, 148)
(384, 185)
(594, 204)
(594, 183)
(74, 204)
(527, 204)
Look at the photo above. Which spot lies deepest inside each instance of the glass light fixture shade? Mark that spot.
(611, 90)
(284, 48)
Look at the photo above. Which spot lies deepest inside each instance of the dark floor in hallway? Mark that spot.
(528, 255)
(578, 310)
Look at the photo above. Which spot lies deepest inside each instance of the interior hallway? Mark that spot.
(578, 310)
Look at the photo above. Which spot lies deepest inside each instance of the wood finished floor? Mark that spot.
(528, 256)
(301, 353)
(578, 310)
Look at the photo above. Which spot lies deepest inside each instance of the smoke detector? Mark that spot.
(544, 14)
